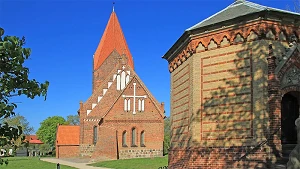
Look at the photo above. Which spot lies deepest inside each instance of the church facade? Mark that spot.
(121, 119)
(235, 89)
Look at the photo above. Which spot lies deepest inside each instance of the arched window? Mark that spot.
(95, 135)
(124, 139)
(143, 139)
(133, 137)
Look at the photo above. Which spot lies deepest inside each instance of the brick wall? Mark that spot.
(220, 102)
(218, 158)
(86, 150)
(106, 146)
(67, 151)
(140, 153)
(107, 66)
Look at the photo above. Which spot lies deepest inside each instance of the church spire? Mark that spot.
(113, 6)
(112, 39)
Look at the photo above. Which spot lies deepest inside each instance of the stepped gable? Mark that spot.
(112, 39)
(103, 98)
(109, 93)
(135, 79)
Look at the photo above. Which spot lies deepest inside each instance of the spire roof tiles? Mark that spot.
(112, 39)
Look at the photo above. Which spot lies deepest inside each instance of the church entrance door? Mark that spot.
(289, 113)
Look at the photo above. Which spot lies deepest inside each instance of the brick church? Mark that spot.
(235, 89)
(121, 119)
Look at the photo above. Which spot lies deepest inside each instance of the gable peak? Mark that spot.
(112, 39)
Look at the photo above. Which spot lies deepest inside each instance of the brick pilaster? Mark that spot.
(274, 104)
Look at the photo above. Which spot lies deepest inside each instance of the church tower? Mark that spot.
(111, 43)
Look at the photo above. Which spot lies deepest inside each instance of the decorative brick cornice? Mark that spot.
(259, 28)
(91, 119)
(133, 121)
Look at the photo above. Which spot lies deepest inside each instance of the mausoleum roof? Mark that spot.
(237, 9)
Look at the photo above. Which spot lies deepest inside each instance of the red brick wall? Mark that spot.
(67, 151)
(106, 146)
(117, 120)
(216, 158)
(207, 141)
(107, 66)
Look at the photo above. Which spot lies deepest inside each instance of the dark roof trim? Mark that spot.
(177, 46)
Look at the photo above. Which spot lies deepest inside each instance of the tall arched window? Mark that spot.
(133, 137)
(143, 139)
(95, 134)
(124, 139)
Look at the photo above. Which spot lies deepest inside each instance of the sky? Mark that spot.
(64, 34)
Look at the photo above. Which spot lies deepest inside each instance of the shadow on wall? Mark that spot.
(236, 125)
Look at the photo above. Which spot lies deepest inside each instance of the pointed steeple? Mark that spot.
(112, 39)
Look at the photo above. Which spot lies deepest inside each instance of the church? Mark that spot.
(121, 119)
(235, 89)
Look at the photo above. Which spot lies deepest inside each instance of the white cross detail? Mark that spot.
(123, 67)
(134, 97)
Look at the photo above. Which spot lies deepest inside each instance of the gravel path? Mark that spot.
(80, 164)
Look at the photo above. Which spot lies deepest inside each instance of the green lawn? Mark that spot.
(138, 163)
(29, 163)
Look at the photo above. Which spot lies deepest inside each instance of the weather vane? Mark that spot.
(113, 6)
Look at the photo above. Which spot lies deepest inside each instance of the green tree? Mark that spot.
(167, 130)
(45, 148)
(16, 121)
(14, 82)
(19, 120)
(73, 119)
(47, 131)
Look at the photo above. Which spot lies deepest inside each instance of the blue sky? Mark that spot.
(64, 34)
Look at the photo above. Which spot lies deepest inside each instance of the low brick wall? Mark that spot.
(67, 151)
(219, 158)
(142, 153)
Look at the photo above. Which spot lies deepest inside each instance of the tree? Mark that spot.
(21, 121)
(296, 6)
(14, 81)
(73, 119)
(167, 130)
(47, 131)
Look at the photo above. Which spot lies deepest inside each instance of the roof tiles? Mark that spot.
(237, 9)
(112, 39)
(67, 135)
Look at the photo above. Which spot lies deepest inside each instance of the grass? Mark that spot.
(29, 163)
(137, 163)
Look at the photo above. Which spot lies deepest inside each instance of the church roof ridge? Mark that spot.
(112, 39)
(234, 10)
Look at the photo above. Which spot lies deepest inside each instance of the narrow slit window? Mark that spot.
(95, 135)
(124, 139)
(143, 139)
(133, 137)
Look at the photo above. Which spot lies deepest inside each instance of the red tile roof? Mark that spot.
(33, 139)
(112, 38)
(67, 135)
